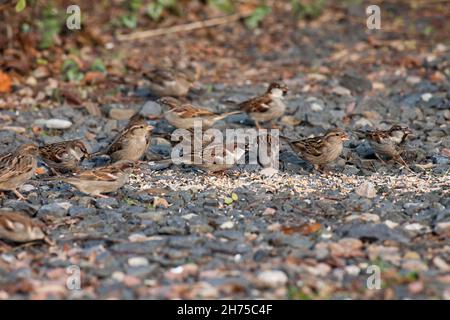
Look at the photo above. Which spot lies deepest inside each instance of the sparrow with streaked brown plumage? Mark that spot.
(172, 82)
(322, 150)
(100, 180)
(387, 143)
(18, 167)
(64, 156)
(186, 116)
(215, 157)
(131, 142)
(269, 106)
(19, 228)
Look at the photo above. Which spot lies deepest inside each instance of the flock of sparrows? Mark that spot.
(129, 145)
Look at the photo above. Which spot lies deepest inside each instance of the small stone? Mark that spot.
(443, 228)
(54, 123)
(341, 91)
(414, 265)
(27, 188)
(352, 270)
(269, 212)
(269, 172)
(415, 287)
(441, 264)
(121, 114)
(414, 227)
(413, 79)
(426, 97)
(75, 211)
(411, 255)
(151, 109)
(137, 262)
(56, 209)
(227, 225)
(391, 224)
(272, 278)
(106, 203)
(367, 190)
(316, 107)
(137, 237)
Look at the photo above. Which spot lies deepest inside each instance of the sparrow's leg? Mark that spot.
(400, 160)
(19, 195)
(258, 126)
(379, 158)
(102, 196)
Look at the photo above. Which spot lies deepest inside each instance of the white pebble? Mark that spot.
(227, 225)
(272, 278)
(138, 261)
(426, 97)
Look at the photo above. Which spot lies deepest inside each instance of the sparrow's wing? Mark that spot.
(161, 76)
(189, 111)
(56, 152)
(312, 146)
(258, 104)
(14, 165)
(105, 174)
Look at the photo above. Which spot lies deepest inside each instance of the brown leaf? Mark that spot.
(304, 229)
(445, 152)
(71, 97)
(93, 109)
(5, 83)
(160, 202)
(92, 77)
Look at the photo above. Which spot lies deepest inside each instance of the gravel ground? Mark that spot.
(174, 232)
(179, 233)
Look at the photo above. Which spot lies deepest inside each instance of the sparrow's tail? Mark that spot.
(228, 114)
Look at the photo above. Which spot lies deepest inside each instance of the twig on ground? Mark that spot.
(182, 28)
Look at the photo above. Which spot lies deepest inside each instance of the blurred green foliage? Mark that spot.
(257, 16)
(308, 10)
(50, 25)
(20, 6)
(51, 19)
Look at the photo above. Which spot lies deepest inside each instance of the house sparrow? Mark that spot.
(64, 156)
(171, 81)
(269, 106)
(17, 167)
(185, 116)
(388, 143)
(216, 157)
(19, 228)
(322, 150)
(100, 180)
(130, 143)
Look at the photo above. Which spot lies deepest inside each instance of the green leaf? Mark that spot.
(226, 6)
(309, 10)
(228, 200)
(234, 196)
(154, 10)
(129, 21)
(135, 5)
(21, 4)
(257, 16)
(98, 65)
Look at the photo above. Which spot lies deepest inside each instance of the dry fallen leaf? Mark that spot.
(304, 229)
(161, 202)
(5, 83)
(94, 77)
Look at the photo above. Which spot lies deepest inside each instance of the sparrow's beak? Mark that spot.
(345, 137)
(408, 131)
